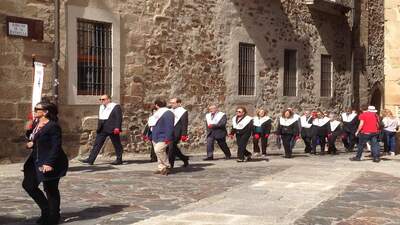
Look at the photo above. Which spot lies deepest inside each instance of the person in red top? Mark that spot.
(368, 131)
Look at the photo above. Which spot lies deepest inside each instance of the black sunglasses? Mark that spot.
(102, 99)
(37, 109)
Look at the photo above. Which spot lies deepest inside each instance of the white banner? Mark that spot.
(37, 84)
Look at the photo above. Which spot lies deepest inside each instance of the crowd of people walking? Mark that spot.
(168, 126)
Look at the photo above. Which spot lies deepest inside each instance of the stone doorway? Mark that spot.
(377, 97)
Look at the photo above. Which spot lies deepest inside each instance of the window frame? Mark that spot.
(284, 92)
(242, 91)
(321, 86)
(87, 13)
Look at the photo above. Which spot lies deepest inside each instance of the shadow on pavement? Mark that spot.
(193, 167)
(9, 220)
(137, 161)
(89, 168)
(91, 213)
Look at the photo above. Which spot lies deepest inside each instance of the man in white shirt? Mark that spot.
(109, 125)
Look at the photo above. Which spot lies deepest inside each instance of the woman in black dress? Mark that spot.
(288, 129)
(261, 131)
(242, 127)
(47, 162)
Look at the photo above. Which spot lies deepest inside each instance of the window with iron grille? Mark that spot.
(326, 75)
(246, 69)
(94, 57)
(290, 73)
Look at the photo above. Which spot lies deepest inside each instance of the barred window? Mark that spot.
(326, 75)
(290, 73)
(94, 57)
(246, 69)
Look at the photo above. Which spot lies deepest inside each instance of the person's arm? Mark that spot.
(185, 123)
(279, 129)
(296, 129)
(169, 126)
(360, 125)
(267, 127)
(55, 142)
(118, 113)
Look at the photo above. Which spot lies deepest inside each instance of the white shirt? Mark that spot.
(105, 111)
(214, 120)
(390, 124)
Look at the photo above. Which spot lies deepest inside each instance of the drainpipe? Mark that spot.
(56, 56)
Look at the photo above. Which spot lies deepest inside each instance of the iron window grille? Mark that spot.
(246, 69)
(290, 73)
(326, 75)
(94, 57)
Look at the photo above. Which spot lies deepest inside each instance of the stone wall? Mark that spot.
(392, 57)
(16, 74)
(370, 51)
(189, 49)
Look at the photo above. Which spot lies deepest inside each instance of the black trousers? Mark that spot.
(322, 143)
(153, 156)
(287, 144)
(221, 143)
(173, 152)
(242, 140)
(332, 144)
(264, 144)
(308, 143)
(98, 144)
(49, 204)
(349, 140)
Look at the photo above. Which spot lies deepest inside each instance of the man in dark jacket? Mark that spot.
(162, 122)
(181, 122)
(216, 131)
(109, 125)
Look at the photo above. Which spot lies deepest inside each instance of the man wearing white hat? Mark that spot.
(368, 131)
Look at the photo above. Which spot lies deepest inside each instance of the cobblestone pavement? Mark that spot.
(306, 190)
(106, 194)
(373, 198)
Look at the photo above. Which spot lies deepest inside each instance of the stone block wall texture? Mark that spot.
(392, 54)
(185, 48)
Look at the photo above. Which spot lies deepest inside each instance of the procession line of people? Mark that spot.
(168, 126)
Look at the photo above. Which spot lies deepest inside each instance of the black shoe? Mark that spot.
(186, 162)
(247, 158)
(117, 162)
(87, 161)
(208, 159)
(42, 218)
(376, 160)
(228, 157)
(354, 159)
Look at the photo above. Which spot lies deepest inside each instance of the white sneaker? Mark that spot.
(392, 154)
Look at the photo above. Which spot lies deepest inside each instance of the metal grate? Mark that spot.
(290, 73)
(326, 75)
(94, 57)
(246, 69)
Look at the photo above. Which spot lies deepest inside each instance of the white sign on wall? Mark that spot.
(18, 29)
(37, 84)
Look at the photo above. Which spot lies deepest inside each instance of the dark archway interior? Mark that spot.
(376, 99)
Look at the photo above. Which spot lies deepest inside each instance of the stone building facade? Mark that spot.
(392, 55)
(194, 50)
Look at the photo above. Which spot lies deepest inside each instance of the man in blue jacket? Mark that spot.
(162, 123)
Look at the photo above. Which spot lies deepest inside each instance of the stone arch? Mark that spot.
(377, 96)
